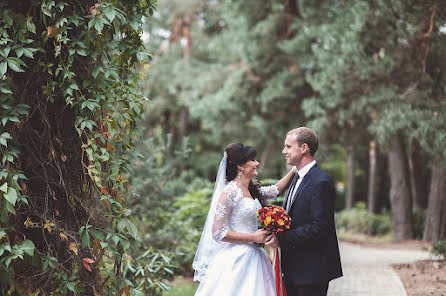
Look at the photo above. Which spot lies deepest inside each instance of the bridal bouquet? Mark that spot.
(274, 219)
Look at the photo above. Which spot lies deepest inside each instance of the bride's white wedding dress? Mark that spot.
(237, 268)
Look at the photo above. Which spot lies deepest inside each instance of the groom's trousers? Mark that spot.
(313, 290)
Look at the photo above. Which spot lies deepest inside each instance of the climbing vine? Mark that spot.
(69, 107)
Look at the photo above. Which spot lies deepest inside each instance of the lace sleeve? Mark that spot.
(223, 213)
(269, 192)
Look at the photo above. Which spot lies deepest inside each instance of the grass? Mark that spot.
(182, 286)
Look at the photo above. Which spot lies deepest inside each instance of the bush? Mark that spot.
(359, 220)
(439, 249)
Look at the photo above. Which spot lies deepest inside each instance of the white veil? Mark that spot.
(208, 247)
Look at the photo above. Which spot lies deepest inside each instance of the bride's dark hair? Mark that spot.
(239, 154)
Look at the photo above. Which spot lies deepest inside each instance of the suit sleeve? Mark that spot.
(321, 213)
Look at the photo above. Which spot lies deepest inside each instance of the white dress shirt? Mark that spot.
(302, 172)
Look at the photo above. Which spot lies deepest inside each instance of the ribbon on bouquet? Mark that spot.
(275, 258)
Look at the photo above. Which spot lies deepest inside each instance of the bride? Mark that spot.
(227, 262)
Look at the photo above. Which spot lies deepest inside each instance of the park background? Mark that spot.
(115, 115)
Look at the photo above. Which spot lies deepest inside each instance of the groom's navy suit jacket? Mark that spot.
(310, 251)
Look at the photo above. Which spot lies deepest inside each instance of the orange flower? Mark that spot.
(267, 221)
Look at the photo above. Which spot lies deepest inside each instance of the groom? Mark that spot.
(310, 252)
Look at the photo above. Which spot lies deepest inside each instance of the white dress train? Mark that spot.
(238, 269)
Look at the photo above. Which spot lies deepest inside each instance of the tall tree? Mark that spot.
(372, 196)
(400, 197)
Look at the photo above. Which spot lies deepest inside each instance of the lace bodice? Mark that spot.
(236, 212)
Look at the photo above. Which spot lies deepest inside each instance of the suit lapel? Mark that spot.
(288, 192)
(302, 184)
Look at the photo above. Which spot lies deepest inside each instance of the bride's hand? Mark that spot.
(260, 236)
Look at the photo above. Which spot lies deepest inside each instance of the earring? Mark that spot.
(240, 173)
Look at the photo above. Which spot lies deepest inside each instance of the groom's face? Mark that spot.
(292, 151)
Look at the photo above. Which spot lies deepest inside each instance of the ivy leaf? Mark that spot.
(73, 247)
(63, 237)
(99, 25)
(49, 226)
(87, 262)
(31, 27)
(4, 187)
(71, 286)
(29, 52)
(110, 14)
(4, 139)
(5, 52)
(85, 239)
(19, 52)
(11, 195)
(3, 89)
(3, 68)
(132, 229)
(28, 247)
(14, 64)
(28, 222)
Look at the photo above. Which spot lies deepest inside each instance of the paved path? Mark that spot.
(367, 271)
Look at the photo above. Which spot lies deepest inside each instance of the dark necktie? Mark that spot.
(290, 193)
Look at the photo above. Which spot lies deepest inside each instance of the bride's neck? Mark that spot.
(243, 183)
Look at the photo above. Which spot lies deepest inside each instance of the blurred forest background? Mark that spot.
(368, 76)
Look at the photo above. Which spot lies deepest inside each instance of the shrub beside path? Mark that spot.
(367, 271)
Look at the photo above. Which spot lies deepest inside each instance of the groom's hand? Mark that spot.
(272, 241)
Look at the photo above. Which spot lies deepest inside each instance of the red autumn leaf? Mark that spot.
(87, 267)
(86, 262)
(104, 190)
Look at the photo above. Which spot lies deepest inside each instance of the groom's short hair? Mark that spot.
(305, 135)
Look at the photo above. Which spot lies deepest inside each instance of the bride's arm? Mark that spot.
(220, 227)
(283, 183)
(238, 237)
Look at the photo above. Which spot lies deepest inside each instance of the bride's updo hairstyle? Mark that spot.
(238, 154)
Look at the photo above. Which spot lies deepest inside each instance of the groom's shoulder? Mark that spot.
(322, 176)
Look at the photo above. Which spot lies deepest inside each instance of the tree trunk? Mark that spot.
(435, 225)
(371, 192)
(400, 197)
(418, 175)
(291, 11)
(349, 196)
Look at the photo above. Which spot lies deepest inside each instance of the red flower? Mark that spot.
(273, 219)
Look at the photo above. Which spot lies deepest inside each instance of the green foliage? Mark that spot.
(359, 220)
(147, 273)
(170, 206)
(191, 211)
(439, 249)
(69, 109)
(181, 287)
